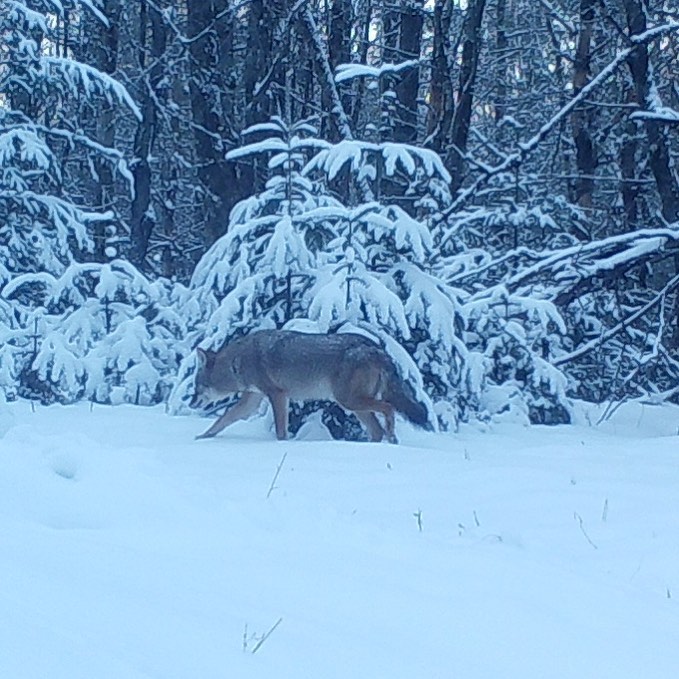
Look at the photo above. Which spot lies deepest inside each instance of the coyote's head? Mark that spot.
(204, 393)
(214, 380)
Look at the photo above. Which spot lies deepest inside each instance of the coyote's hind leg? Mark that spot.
(279, 403)
(372, 424)
(367, 404)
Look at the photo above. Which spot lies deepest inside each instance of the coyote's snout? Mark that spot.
(282, 365)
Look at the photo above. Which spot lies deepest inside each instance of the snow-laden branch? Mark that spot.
(493, 263)
(23, 143)
(83, 78)
(274, 145)
(343, 123)
(345, 72)
(33, 20)
(661, 114)
(556, 14)
(604, 255)
(405, 156)
(93, 6)
(40, 278)
(595, 83)
(30, 130)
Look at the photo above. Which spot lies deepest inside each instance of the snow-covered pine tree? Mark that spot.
(259, 272)
(295, 252)
(510, 339)
(136, 357)
(44, 228)
(380, 271)
(511, 335)
(374, 262)
(471, 251)
(101, 332)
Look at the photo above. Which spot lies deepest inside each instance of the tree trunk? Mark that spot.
(390, 32)
(141, 222)
(340, 24)
(102, 53)
(471, 51)
(209, 50)
(658, 153)
(441, 104)
(408, 86)
(501, 44)
(269, 24)
(583, 115)
(629, 184)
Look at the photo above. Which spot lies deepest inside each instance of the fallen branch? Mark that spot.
(272, 487)
(582, 529)
(259, 644)
(625, 323)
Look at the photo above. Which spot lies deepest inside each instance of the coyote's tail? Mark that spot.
(402, 396)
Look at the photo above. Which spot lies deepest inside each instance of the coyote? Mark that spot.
(346, 368)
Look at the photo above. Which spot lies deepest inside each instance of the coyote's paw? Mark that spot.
(204, 435)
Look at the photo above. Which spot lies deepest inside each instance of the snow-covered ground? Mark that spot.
(128, 550)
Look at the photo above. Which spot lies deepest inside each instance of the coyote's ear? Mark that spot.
(203, 358)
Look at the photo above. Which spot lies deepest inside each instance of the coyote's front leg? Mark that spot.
(246, 406)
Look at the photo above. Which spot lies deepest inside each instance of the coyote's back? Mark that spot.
(347, 368)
